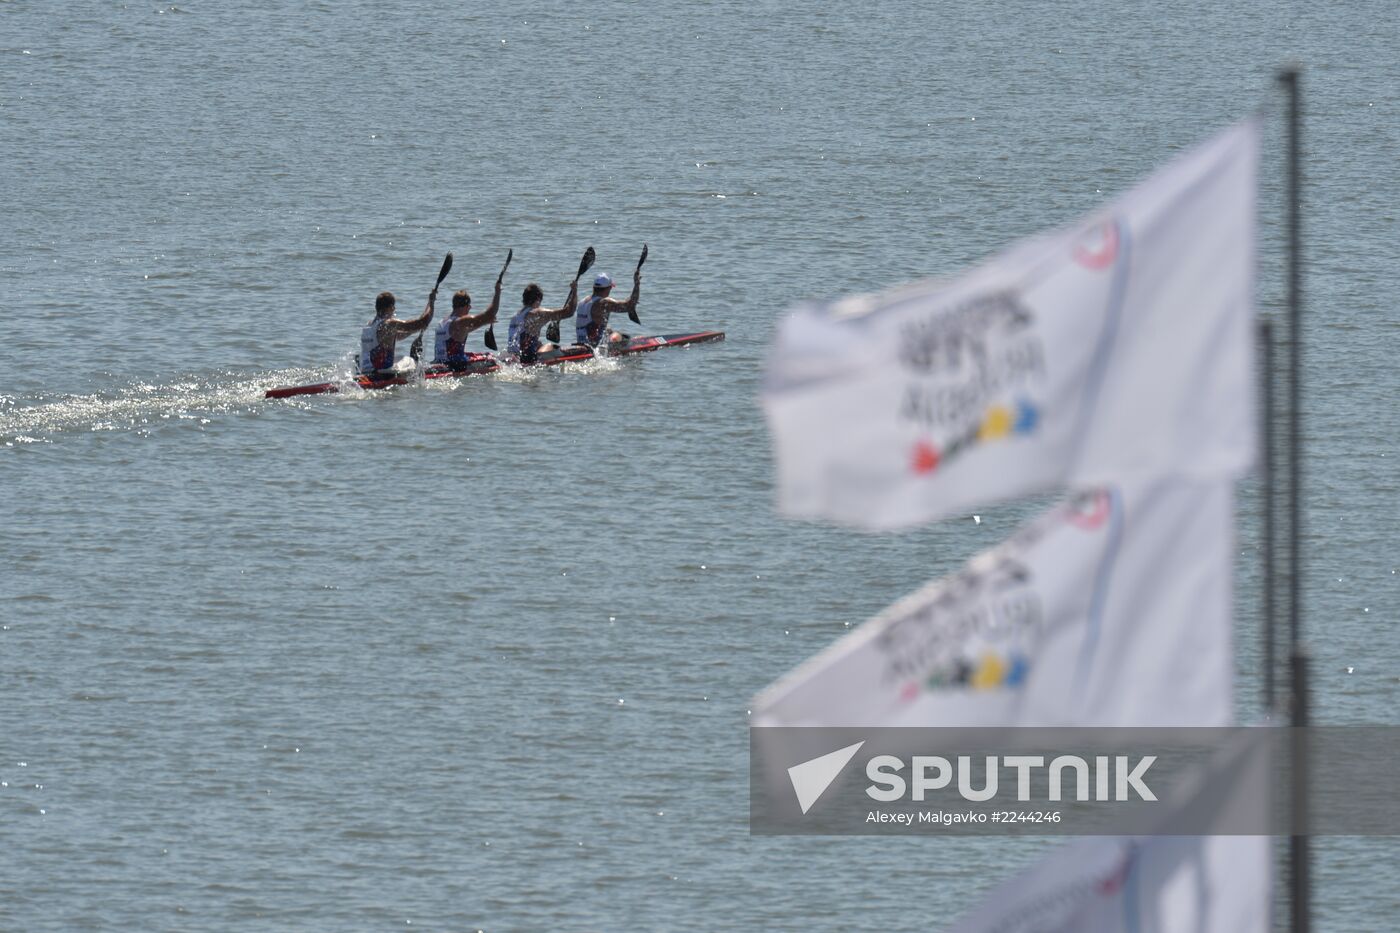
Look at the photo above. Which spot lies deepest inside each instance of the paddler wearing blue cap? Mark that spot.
(591, 321)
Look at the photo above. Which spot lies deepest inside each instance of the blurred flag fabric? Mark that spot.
(1161, 883)
(1112, 609)
(1116, 350)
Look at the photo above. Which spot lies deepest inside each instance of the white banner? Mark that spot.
(1151, 884)
(1111, 610)
(1113, 351)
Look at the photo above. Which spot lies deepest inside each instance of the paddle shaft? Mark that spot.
(632, 312)
(491, 328)
(416, 351)
(552, 333)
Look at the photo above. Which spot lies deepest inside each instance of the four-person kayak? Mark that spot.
(486, 363)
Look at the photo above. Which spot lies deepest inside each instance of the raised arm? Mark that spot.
(467, 323)
(490, 316)
(486, 317)
(630, 305)
(404, 328)
(545, 315)
(571, 304)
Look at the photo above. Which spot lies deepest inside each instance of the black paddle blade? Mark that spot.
(552, 334)
(416, 351)
(510, 254)
(491, 337)
(588, 257)
(446, 268)
(632, 312)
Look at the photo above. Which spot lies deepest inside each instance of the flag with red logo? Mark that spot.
(1118, 349)
(1111, 610)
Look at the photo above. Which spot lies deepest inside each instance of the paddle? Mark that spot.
(491, 328)
(552, 334)
(416, 351)
(632, 312)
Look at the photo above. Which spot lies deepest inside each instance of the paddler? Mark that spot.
(591, 322)
(380, 335)
(524, 339)
(450, 346)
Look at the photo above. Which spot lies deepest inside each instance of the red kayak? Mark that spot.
(485, 363)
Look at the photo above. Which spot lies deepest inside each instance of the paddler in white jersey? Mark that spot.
(524, 340)
(380, 335)
(591, 322)
(450, 346)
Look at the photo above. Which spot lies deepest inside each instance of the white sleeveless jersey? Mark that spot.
(583, 320)
(440, 337)
(370, 349)
(517, 326)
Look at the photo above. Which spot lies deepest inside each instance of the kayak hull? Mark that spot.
(485, 363)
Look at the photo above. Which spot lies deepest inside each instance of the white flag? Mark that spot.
(1163, 884)
(1109, 352)
(1111, 610)
(1152, 884)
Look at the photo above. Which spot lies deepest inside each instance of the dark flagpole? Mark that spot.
(1299, 855)
(1266, 394)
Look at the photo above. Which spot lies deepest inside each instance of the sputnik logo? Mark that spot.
(811, 778)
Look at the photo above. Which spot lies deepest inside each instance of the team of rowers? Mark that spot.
(380, 336)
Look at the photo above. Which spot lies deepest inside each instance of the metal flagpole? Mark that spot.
(1265, 334)
(1299, 855)
(1266, 392)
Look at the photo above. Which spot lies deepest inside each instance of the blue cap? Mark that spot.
(603, 280)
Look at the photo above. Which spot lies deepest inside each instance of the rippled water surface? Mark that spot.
(478, 655)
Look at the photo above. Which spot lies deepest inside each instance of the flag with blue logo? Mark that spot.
(1114, 350)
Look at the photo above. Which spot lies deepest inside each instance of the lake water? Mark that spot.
(479, 655)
